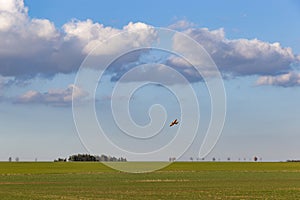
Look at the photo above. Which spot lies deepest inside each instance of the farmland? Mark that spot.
(180, 180)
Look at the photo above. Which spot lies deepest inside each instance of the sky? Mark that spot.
(54, 53)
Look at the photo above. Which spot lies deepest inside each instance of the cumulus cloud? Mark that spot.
(30, 47)
(186, 69)
(290, 79)
(240, 57)
(88, 35)
(11, 12)
(54, 97)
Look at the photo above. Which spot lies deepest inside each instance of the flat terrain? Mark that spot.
(181, 180)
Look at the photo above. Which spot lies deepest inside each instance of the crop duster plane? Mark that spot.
(174, 122)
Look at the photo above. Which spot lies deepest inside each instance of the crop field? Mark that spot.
(180, 180)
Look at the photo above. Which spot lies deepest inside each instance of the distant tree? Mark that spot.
(103, 158)
(255, 158)
(213, 159)
(228, 159)
(97, 158)
(82, 157)
(92, 158)
(61, 160)
(172, 159)
(9, 159)
(113, 159)
(191, 158)
(17, 159)
(293, 160)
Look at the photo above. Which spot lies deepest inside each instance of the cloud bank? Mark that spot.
(290, 79)
(32, 47)
(54, 97)
(242, 57)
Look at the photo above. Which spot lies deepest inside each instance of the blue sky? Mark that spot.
(255, 45)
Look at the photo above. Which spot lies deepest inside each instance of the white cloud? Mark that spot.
(14, 20)
(239, 57)
(12, 12)
(30, 47)
(54, 97)
(43, 28)
(13, 6)
(91, 34)
(87, 33)
(243, 56)
(285, 80)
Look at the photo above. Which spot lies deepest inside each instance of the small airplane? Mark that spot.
(174, 122)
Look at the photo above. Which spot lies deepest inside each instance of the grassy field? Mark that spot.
(182, 180)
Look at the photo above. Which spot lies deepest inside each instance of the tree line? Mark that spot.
(91, 158)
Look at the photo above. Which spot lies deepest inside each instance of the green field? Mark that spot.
(181, 180)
